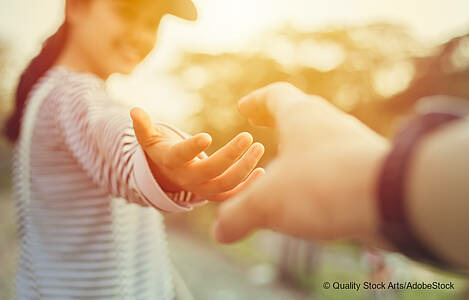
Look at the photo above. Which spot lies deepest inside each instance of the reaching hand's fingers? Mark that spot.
(256, 174)
(253, 106)
(221, 160)
(188, 149)
(143, 127)
(235, 174)
(263, 105)
(251, 209)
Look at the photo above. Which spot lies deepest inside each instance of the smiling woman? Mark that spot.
(114, 36)
(93, 177)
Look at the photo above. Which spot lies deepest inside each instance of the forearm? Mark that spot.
(437, 192)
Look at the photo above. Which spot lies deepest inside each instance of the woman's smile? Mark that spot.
(130, 55)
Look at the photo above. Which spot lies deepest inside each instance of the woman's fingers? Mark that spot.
(221, 160)
(143, 127)
(256, 174)
(186, 150)
(235, 174)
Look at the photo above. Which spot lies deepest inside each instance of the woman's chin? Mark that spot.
(125, 68)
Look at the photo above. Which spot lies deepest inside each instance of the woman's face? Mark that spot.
(116, 35)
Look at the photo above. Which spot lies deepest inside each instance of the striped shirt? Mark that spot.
(88, 207)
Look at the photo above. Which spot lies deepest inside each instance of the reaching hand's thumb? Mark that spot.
(248, 211)
(143, 126)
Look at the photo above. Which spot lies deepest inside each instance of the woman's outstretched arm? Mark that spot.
(100, 134)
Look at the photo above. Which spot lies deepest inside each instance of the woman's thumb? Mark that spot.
(142, 124)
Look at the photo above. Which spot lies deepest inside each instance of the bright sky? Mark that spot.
(228, 25)
(224, 23)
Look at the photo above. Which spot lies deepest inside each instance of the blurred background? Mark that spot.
(373, 59)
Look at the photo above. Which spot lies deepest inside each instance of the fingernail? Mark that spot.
(244, 139)
(134, 107)
(242, 142)
(201, 141)
(258, 149)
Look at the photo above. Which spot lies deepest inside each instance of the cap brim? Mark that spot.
(184, 9)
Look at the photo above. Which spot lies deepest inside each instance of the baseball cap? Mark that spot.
(184, 9)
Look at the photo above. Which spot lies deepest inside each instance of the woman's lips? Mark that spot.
(130, 55)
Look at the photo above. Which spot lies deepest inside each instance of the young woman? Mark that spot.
(89, 180)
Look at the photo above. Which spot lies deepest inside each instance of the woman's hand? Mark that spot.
(176, 165)
(321, 184)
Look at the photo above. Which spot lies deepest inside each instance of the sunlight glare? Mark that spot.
(389, 81)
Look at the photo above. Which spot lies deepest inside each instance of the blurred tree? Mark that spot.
(375, 72)
(445, 73)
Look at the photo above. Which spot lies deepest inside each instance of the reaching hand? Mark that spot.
(321, 184)
(176, 165)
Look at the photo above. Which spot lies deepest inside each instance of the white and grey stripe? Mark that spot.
(87, 229)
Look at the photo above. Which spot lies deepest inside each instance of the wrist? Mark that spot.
(371, 165)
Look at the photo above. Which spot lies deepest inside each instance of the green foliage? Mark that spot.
(379, 73)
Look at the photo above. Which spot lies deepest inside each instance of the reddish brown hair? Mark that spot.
(51, 50)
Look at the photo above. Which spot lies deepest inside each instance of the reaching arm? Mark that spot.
(323, 183)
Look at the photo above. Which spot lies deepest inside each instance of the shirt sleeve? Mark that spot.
(99, 133)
